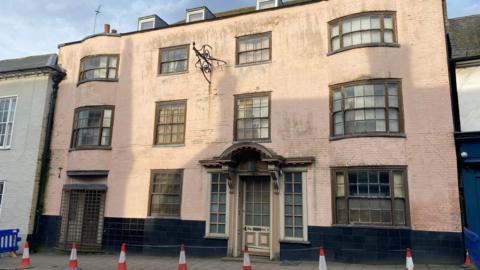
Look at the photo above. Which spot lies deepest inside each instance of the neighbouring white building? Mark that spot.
(27, 98)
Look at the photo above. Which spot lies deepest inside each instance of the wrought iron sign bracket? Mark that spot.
(206, 62)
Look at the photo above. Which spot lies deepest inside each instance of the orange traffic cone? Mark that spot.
(73, 262)
(246, 260)
(122, 261)
(25, 263)
(409, 265)
(468, 263)
(322, 263)
(182, 262)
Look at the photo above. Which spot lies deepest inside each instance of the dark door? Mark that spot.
(471, 183)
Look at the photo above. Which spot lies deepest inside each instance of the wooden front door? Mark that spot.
(257, 211)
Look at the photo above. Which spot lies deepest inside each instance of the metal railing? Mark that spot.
(9, 240)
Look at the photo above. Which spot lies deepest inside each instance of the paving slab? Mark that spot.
(52, 261)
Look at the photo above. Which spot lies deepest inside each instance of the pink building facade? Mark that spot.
(329, 124)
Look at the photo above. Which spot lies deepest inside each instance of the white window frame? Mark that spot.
(140, 22)
(277, 3)
(202, 11)
(9, 145)
(305, 207)
(4, 182)
(227, 208)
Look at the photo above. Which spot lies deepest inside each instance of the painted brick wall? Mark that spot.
(299, 76)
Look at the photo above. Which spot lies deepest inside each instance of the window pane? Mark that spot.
(398, 185)
(347, 26)
(388, 36)
(340, 179)
(375, 22)
(335, 43)
(335, 30)
(366, 25)
(195, 17)
(388, 22)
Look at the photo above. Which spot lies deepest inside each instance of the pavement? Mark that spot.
(49, 261)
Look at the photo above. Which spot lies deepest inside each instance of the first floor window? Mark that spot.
(252, 117)
(374, 196)
(170, 125)
(7, 115)
(218, 203)
(92, 127)
(294, 206)
(166, 193)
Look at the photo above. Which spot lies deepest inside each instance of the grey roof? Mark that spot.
(464, 35)
(29, 63)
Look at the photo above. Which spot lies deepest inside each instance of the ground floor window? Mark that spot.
(166, 193)
(294, 206)
(370, 196)
(218, 204)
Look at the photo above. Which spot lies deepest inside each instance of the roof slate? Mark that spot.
(29, 63)
(464, 33)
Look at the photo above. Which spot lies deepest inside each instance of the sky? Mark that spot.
(31, 27)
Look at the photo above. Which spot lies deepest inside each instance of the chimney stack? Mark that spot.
(106, 28)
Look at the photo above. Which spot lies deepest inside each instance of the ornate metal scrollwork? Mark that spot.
(206, 62)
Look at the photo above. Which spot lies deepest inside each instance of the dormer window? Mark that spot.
(150, 22)
(264, 4)
(199, 14)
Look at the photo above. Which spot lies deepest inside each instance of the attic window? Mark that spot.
(264, 4)
(196, 16)
(199, 14)
(151, 22)
(146, 25)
